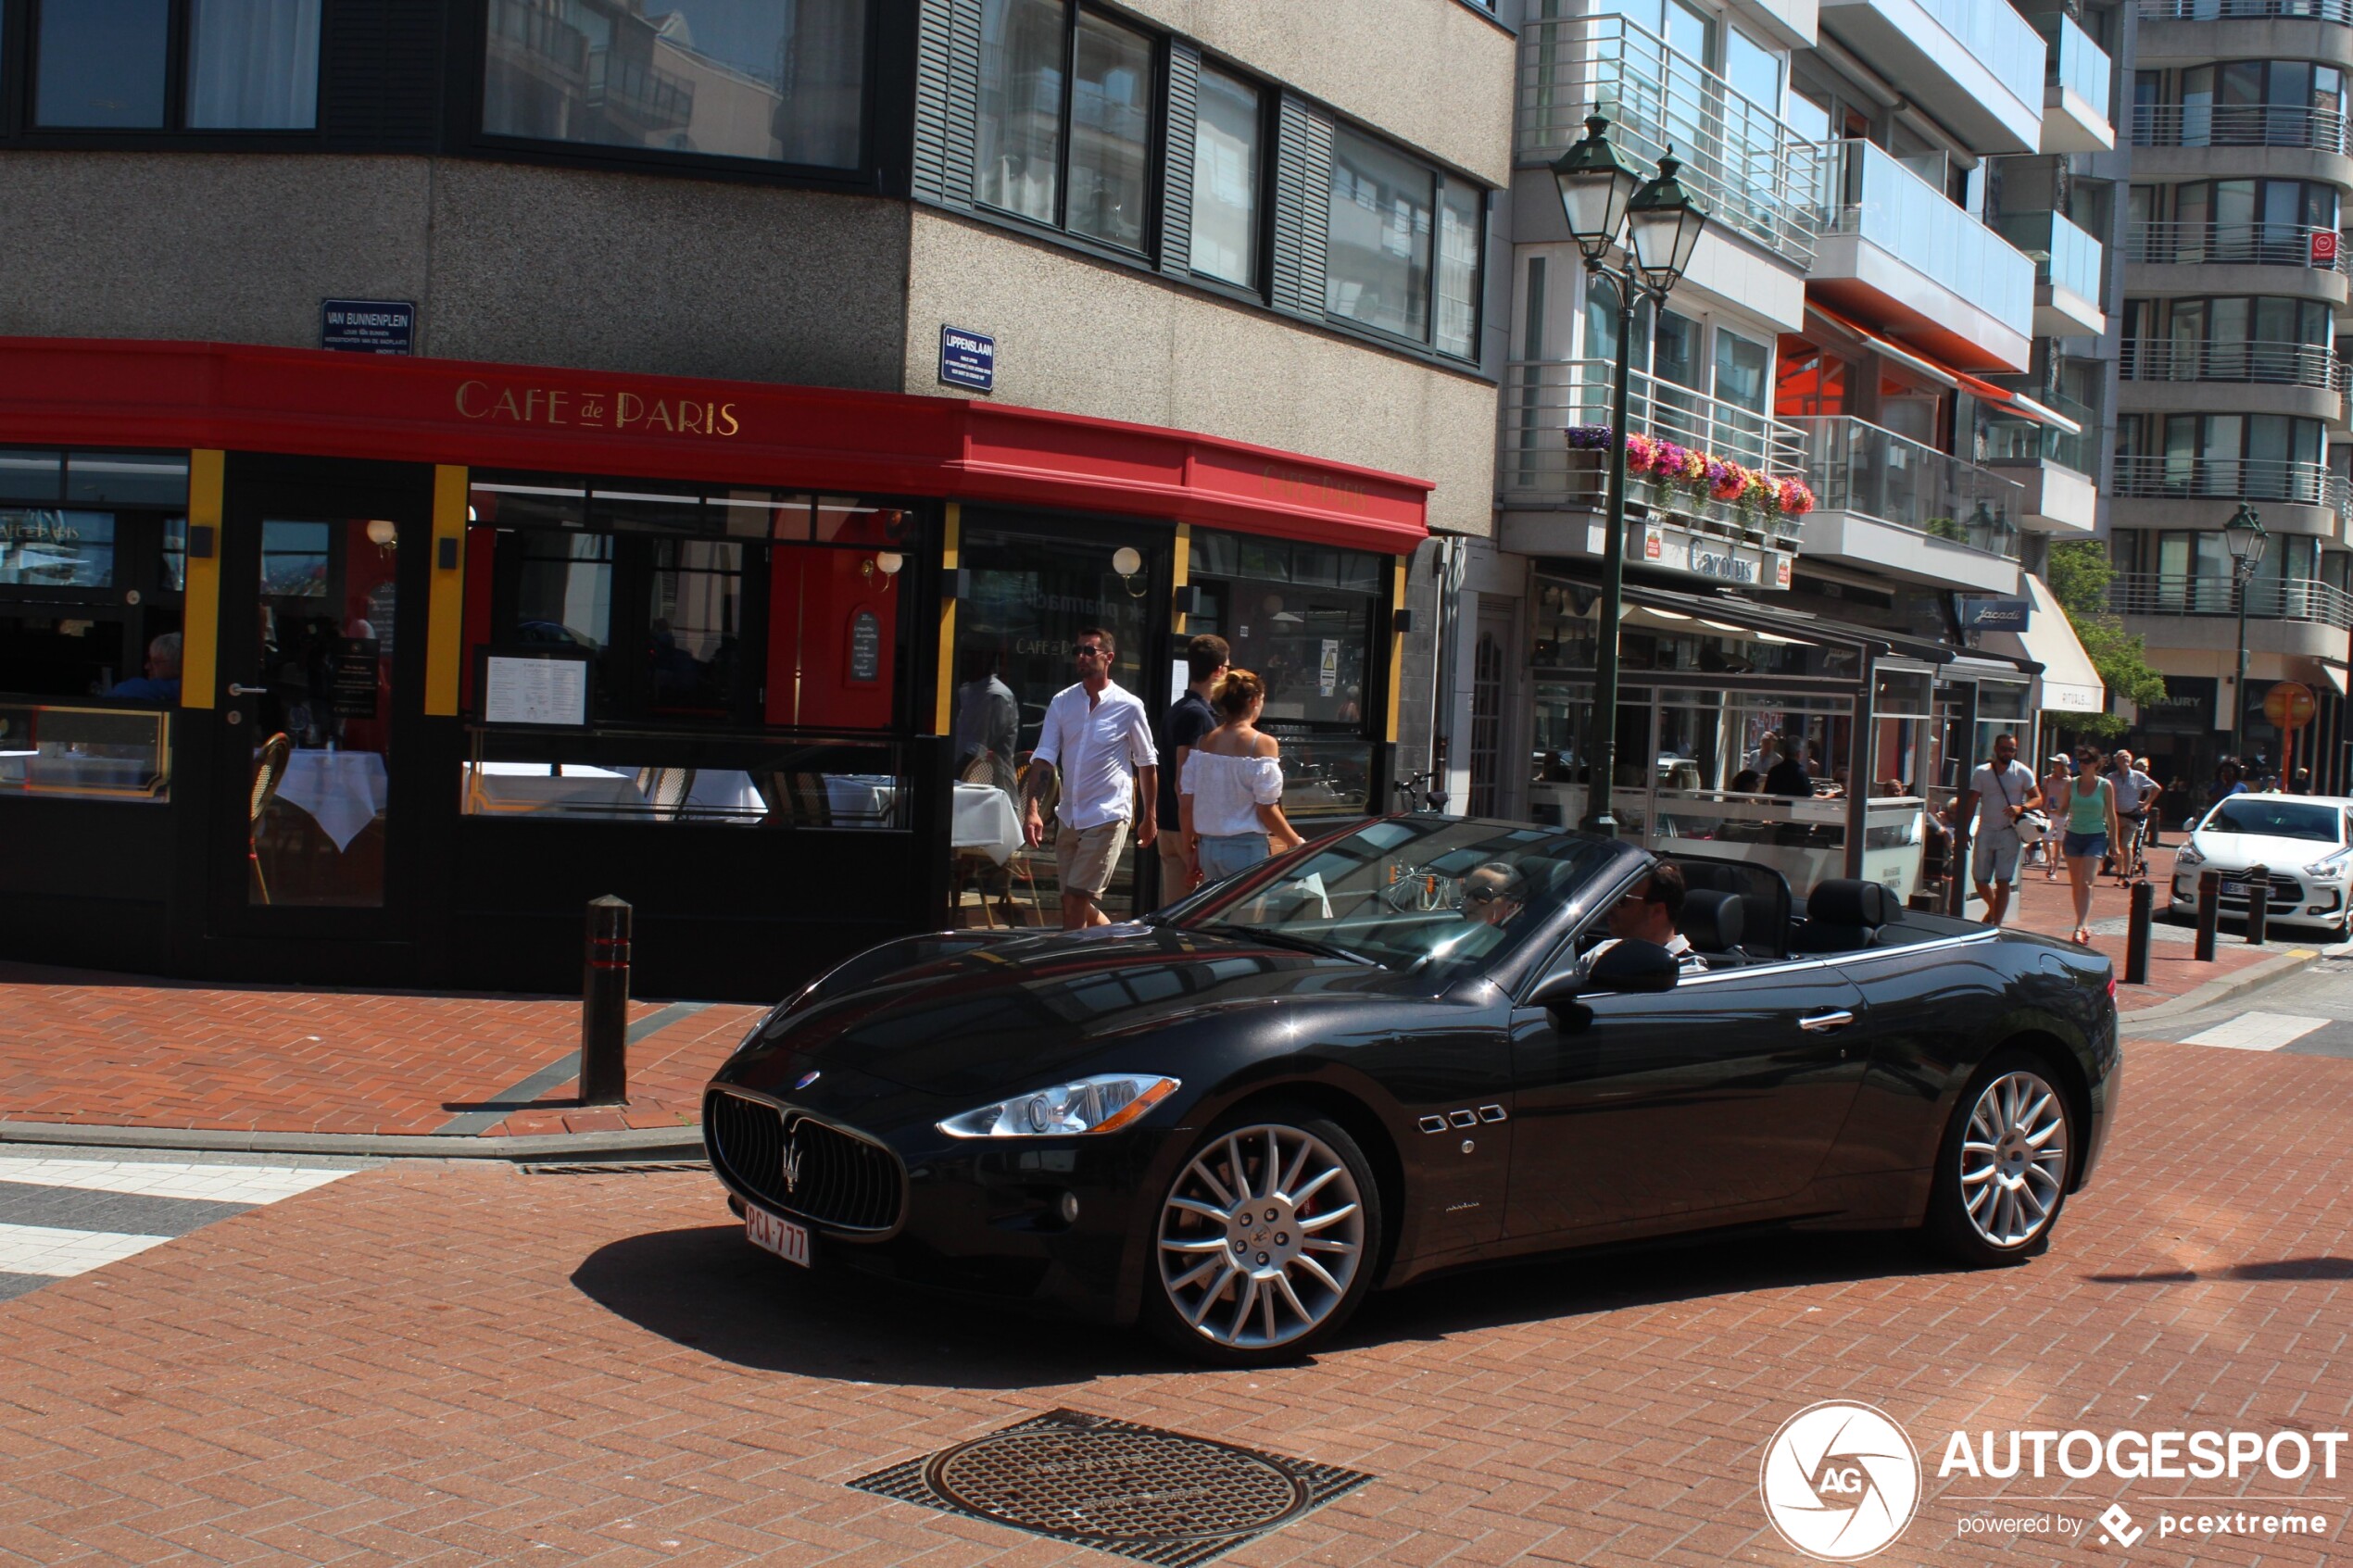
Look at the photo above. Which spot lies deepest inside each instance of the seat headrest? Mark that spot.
(1711, 920)
(1848, 902)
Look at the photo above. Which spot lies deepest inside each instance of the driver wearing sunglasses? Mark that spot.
(1492, 893)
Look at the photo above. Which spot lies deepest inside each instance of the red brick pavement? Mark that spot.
(109, 1050)
(442, 1364)
(100, 1050)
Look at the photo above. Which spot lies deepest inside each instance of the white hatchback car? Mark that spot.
(2305, 842)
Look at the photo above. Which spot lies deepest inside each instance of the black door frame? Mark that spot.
(362, 944)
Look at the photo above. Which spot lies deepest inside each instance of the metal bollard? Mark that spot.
(2136, 934)
(2209, 913)
(2258, 903)
(604, 1005)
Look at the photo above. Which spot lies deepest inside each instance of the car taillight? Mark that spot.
(2111, 985)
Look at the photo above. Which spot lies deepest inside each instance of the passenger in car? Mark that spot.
(1648, 912)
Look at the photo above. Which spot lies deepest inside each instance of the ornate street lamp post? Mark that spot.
(1656, 226)
(2245, 536)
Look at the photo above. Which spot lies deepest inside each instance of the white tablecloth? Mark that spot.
(66, 772)
(725, 795)
(535, 786)
(343, 791)
(984, 820)
(861, 799)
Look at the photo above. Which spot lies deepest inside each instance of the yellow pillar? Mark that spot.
(446, 592)
(200, 606)
(1396, 647)
(945, 720)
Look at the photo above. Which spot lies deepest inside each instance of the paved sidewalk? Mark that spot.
(95, 1049)
(89, 1049)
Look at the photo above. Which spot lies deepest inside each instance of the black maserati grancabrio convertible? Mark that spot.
(1403, 1049)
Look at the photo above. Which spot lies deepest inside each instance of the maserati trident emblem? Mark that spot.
(791, 1165)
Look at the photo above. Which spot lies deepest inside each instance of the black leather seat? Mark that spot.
(1711, 922)
(1844, 915)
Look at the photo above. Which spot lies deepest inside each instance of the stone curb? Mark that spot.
(628, 1144)
(2220, 989)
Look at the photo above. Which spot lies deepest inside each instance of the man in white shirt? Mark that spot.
(1096, 736)
(2136, 796)
(2000, 792)
(1648, 912)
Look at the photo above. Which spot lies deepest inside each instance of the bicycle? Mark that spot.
(1413, 798)
(2133, 854)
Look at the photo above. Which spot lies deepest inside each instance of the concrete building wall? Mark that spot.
(1431, 73)
(504, 261)
(1095, 338)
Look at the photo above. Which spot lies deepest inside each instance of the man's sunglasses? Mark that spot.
(1088, 650)
(1482, 895)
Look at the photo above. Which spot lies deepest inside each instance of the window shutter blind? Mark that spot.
(1302, 207)
(1176, 174)
(379, 75)
(947, 100)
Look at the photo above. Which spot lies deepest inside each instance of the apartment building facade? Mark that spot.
(2233, 383)
(757, 401)
(1896, 304)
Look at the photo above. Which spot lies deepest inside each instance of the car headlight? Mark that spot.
(2188, 856)
(1100, 1104)
(2329, 868)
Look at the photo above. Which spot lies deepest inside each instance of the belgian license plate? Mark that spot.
(774, 1232)
(2235, 890)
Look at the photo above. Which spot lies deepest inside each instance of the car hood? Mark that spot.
(2236, 851)
(1008, 1014)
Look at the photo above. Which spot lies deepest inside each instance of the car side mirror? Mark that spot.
(1633, 967)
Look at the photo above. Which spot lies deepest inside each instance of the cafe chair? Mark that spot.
(665, 790)
(269, 772)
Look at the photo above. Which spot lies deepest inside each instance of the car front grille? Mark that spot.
(796, 1164)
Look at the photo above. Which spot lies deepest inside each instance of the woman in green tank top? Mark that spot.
(2091, 827)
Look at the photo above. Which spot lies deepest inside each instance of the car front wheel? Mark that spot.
(2001, 1176)
(1265, 1242)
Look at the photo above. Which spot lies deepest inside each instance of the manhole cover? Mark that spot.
(1158, 1497)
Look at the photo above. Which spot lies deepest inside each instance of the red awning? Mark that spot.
(127, 393)
(2015, 402)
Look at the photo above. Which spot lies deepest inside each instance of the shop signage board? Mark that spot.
(2324, 247)
(1676, 549)
(967, 359)
(2187, 706)
(368, 326)
(1998, 615)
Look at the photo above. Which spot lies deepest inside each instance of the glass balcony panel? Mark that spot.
(1857, 466)
(1755, 174)
(2064, 255)
(1887, 204)
(2079, 64)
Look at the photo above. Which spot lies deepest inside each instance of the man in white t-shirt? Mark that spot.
(2136, 796)
(1097, 737)
(2001, 792)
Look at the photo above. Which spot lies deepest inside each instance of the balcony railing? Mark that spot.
(1999, 39)
(2076, 62)
(2155, 476)
(2013, 439)
(2227, 245)
(2063, 255)
(2267, 598)
(2274, 364)
(2239, 125)
(1543, 397)
(2340, 11)
(1857, 467)
(1755, 173)
(1877, 198)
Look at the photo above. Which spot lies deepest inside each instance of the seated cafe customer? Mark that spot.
(1230, 801)
(161, 682)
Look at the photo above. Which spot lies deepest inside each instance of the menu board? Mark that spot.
(865, 646)
(354, 693)
(535, 691)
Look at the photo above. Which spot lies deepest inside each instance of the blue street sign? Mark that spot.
(368, 326)
(1996, 615)
(967, 359)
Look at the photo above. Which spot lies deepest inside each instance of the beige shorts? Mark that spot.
(1084, 856)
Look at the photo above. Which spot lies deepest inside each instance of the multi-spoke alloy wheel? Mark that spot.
(2014, 1159)
(2003, 1174)
(1264, 1234)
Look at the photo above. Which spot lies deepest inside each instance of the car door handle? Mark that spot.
(1823, 1023)
(236, 690)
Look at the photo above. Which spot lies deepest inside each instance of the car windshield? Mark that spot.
(1423, 893)
(2270, 817)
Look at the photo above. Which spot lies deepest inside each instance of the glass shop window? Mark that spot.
(747, 79)
(236, 65)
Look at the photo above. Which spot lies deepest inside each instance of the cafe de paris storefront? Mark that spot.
(462, 647)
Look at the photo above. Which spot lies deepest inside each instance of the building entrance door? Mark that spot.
(321, 634)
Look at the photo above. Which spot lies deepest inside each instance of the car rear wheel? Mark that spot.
(1265, 1242)
(2000, 1177)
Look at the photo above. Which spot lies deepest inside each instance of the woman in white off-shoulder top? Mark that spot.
(1229, 800)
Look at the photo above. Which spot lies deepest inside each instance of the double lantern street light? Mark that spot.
(1605, 195)
(2245, 536)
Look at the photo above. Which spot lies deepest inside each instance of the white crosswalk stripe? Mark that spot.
(66, 1214)
(2259, 1031)
(218, 1184)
